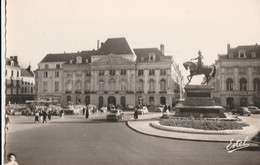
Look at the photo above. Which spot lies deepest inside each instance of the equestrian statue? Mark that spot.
(199, 68)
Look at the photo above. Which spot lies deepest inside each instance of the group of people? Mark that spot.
(42, 116)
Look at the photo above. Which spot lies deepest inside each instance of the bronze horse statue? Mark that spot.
(208, 71)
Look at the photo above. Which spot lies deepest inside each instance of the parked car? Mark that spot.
(103, 109)
(11, 109)
(242, 111)
(78, 108)
(159, 109)
(69, 109)
(253, 109)
(27, 111)
(130, 107)
(142, 110)
(115, 114)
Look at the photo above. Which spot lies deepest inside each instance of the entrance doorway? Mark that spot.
(163, 100)
(111, 100)
(230, 103)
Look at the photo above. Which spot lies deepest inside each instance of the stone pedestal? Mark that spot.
(199, 103)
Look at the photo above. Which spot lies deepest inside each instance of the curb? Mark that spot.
(174, 138)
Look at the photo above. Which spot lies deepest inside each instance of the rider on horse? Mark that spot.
(200, 63)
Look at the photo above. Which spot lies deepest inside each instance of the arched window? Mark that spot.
(69, 86)
(243, 84)
(163, 85)
(112, 84)
(243, 102)
(79, 60)
(151, 85)
(257, 84)
(101, 85)
(141, 85)
(78, 86)
(229, 84)
(123, 85)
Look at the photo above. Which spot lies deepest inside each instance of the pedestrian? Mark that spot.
(44, 114)
(87, 113)
(11, 159)
(136, 114)
(49, 115)
(40, 116)
(165, 108)
(36, 117)
(169, 108)
(61, 114)
(84, 111)
(7, 121)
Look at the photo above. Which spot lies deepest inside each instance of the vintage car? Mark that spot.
(27, 111)
(115, 114)
(11, 109)
(253, 109)
(241, 111)
(159, 108)
(78, 108)
(130, 107)
(103, 109)
(142, 110)
(68, 109)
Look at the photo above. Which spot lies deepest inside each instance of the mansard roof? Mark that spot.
(144, 53)
(115, 46)
(8, 62)
(248, 50)
(66, 57)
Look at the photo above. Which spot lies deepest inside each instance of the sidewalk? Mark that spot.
(143, 125)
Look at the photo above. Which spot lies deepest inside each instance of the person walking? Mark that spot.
(36, 117)
(87, 113)
(84, 111)
(136, 114)
(44, 114)
(49, 115)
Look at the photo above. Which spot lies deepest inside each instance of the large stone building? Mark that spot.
(237, 82)
(114, 73)
(19, 82)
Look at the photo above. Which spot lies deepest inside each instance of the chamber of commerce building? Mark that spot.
(112, 74)
(237, 82)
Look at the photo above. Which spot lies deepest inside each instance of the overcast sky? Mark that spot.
(38, 27)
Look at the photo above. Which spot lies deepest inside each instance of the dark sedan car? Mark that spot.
(115, 115)
(241, 111)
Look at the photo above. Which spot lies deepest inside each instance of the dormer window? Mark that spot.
(71, 61)
(230, 55)
(79, 60)
(242, 54)
(151, 56)
(12, 63)
(253, 55)
(87, 61)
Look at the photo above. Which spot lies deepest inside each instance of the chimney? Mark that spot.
(102, 43)
(162, 48)
(228, 48)
(97, 44)
(15, 59)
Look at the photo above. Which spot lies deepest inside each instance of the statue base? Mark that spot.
(199, 103)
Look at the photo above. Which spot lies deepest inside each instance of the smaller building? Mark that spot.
(237, 82)
(19, 82)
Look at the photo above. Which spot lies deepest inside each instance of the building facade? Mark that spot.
(20, 82)
(237, 81)
(109, 75)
